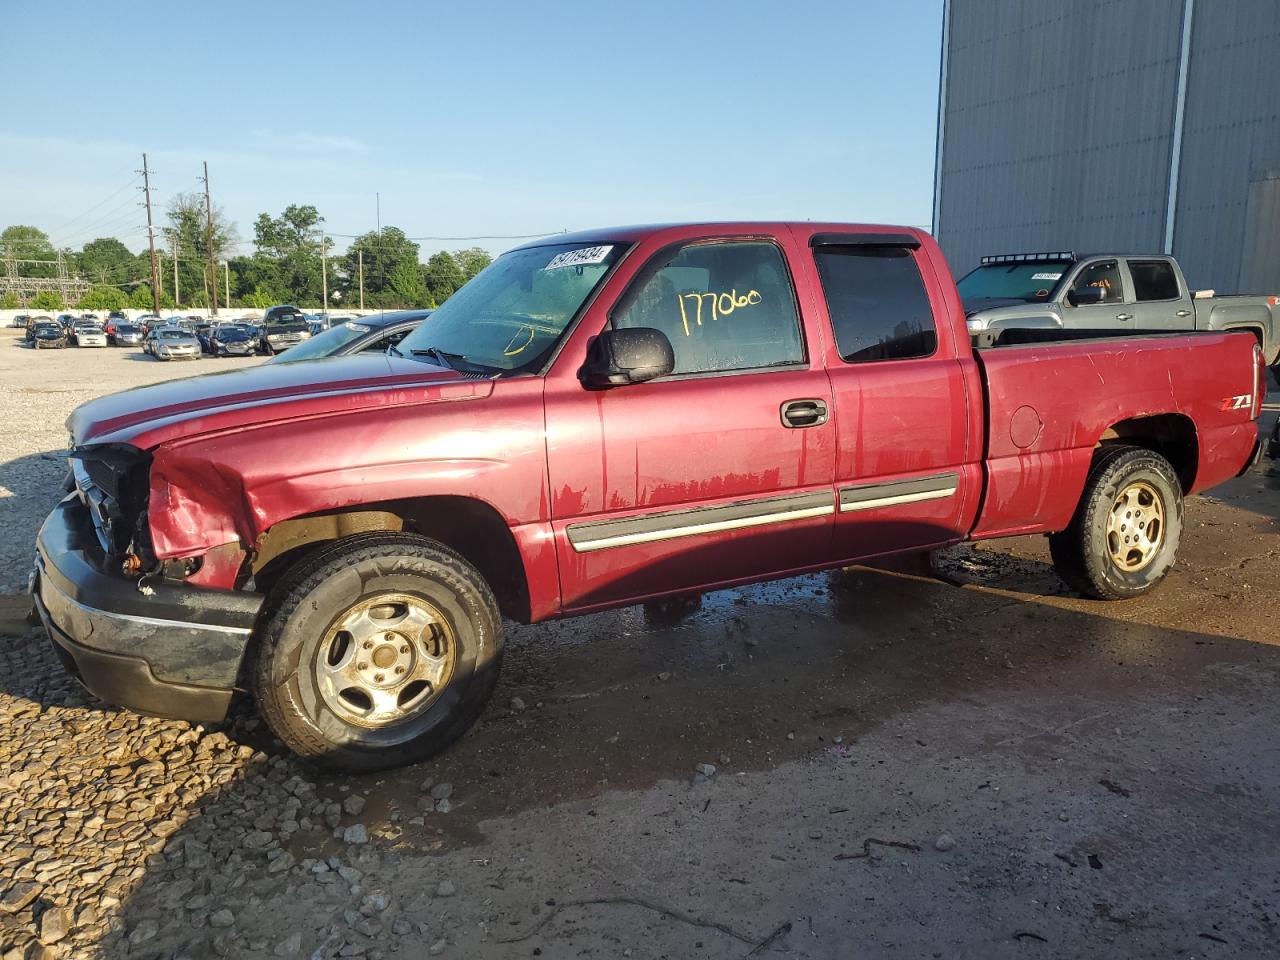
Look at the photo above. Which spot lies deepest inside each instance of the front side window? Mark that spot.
(1104, 274)
(1153, 280)
(878, 305)
(724, 306)
(512, 313)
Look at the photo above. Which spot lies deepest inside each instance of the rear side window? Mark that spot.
(877, 302)
(1153, 280)
(724, 306)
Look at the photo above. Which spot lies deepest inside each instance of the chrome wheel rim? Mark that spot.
(385, 660)
(1135, 528)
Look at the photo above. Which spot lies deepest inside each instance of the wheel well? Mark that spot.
(1258, 333)
(1171, 435)
(471, 527)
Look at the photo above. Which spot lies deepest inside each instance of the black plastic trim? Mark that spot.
(864, 240)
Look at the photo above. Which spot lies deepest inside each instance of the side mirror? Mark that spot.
(631, 355)
(1086, 296)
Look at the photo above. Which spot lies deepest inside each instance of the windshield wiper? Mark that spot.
(440, 356)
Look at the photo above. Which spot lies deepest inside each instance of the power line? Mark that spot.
(80, 216)
(490, 236)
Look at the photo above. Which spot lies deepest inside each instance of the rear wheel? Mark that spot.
(377, 651)
(1124, 536)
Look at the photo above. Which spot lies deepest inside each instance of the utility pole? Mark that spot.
(360, 261)
(213, 263)
(151, 238)
(177, 297)
(226, 283)
(324, 271)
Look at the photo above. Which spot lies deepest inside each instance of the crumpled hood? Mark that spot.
(176, 409)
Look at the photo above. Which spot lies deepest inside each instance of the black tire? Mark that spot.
(324, 586)
(1083, 555)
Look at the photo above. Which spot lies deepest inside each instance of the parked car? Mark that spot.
(602, 419)
(172, 343)
(32, 322)
(88, 334)
(372, 334)
(1273, 445)
(113, 318)
(230, 340)
(283, 327)
(1106, 292)
(48, 334)
(65, 320)
(126, 334)
(20, 320)
(149, 320)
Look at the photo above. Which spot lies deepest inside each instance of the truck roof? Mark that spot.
(636, 232)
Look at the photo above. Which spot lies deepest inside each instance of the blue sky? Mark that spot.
(476, 118)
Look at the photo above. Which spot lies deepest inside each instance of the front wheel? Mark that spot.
(1125, 533)
(378, 650)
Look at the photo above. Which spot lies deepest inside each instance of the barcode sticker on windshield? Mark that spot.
(579, 258)
(1045, 276)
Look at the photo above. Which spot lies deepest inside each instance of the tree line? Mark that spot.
(291, 260)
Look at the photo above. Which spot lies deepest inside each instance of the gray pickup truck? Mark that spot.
(1106, 292)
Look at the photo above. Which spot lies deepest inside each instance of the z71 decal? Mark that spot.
(1238, 403)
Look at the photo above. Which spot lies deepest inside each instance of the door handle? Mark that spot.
(1184, 313)
(804, 413)
(1124, 316)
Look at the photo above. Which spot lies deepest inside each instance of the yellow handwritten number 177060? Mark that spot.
(722, 304)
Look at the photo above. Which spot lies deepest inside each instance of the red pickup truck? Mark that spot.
(596, 420)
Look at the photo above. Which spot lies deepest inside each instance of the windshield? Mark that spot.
(1029, 282)
(126, 328)
(513, 312)
(324, 344)
(171, 334)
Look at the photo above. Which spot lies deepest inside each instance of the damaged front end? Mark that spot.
(134, 629)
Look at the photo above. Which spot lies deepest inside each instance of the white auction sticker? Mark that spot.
(580, 257)
(1046, 276)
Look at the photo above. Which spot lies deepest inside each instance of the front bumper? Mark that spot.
(173, 653)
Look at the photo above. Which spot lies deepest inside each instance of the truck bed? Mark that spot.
(1047, 392)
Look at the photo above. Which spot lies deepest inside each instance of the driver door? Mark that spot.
(1112, 313)
(701, 478)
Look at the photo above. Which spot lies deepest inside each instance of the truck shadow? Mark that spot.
(756, 677)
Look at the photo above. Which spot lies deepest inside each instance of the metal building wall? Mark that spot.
(1227, 226)
(1057, 125)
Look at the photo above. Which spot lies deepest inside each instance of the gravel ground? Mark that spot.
(861, 764)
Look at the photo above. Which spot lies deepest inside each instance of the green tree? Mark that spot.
(31, 244)
(140, 299)
(293, 240)
(260, 297)
(383, 253)
(472, 260)
(406, 287)
(104, 298)
(10, 301)
(188, 230)
(107, 260)
(443, 276)
(47, 300)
